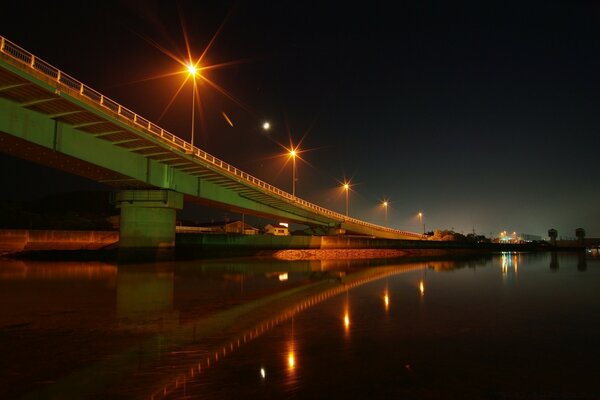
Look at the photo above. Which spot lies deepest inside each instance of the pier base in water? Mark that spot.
(147, 224)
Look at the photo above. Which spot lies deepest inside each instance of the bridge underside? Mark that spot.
(42, 126)
(51, 123)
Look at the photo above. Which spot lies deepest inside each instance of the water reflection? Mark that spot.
(166, 325)
(145, 299)
(291, 348)
(347, 320)
(297, 302)
(553, 261)
(291, 358)
(72, 270)
(386, 300)
(509, 264)
(581, 261)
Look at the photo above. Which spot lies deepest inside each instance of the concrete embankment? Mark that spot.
(334, 247)
(21, 242)
(15, 241)
(356, 254)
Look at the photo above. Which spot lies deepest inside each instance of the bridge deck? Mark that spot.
(31, 85)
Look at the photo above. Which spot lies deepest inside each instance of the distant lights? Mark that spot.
(266, 126)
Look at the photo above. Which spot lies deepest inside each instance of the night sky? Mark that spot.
(483, 115)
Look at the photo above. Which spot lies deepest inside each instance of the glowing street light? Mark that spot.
(266, 125)
(346, 187)
(293, 153)
(193, 71)
(420, 214)
(385, 209)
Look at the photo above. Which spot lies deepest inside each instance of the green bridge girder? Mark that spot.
(116, 165)
(51, 118)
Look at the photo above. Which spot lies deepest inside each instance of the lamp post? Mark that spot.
(347, 189)
(421, 221)
(385, 209)
(192, 71)
(293, 154)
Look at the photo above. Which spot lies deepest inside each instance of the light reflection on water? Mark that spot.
(235, 328)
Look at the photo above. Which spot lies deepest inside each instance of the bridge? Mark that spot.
(51, 118)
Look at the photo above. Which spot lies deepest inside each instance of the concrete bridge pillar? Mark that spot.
(148, 218)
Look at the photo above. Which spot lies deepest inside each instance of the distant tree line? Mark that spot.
(65, 211)
(450, 235)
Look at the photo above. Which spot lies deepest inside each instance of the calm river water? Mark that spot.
(505, 326)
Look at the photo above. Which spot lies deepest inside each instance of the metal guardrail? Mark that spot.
(31, 63)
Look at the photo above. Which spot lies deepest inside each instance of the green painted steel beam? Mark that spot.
(41, 130)
(217, 184)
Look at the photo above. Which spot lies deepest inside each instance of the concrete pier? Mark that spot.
(148, 218)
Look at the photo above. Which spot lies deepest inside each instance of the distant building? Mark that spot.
(515, 237)
(238, 227)
(278, 230)
(526, 237)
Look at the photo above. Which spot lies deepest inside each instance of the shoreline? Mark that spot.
(363, 254)
(291, 255)
(103, 245)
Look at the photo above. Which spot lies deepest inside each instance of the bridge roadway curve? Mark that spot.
(49, 117)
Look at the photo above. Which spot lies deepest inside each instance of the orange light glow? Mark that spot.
(422, 287)
(346, 186)
(291, 360)
(195, 70)
(293, 153)
(192, 70)
(386, 300)
(346, 320)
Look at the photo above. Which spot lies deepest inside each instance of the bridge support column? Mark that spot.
(148, 218)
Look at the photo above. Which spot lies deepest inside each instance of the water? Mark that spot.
(507, 326)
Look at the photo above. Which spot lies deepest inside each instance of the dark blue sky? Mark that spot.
(483, 115)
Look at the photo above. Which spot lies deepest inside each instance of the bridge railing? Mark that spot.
(67, 83)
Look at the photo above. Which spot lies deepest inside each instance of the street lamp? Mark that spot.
(421, 221)
(347, 189)
(385, 209)
(193, 71)
(266, 125)
(293, 153)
